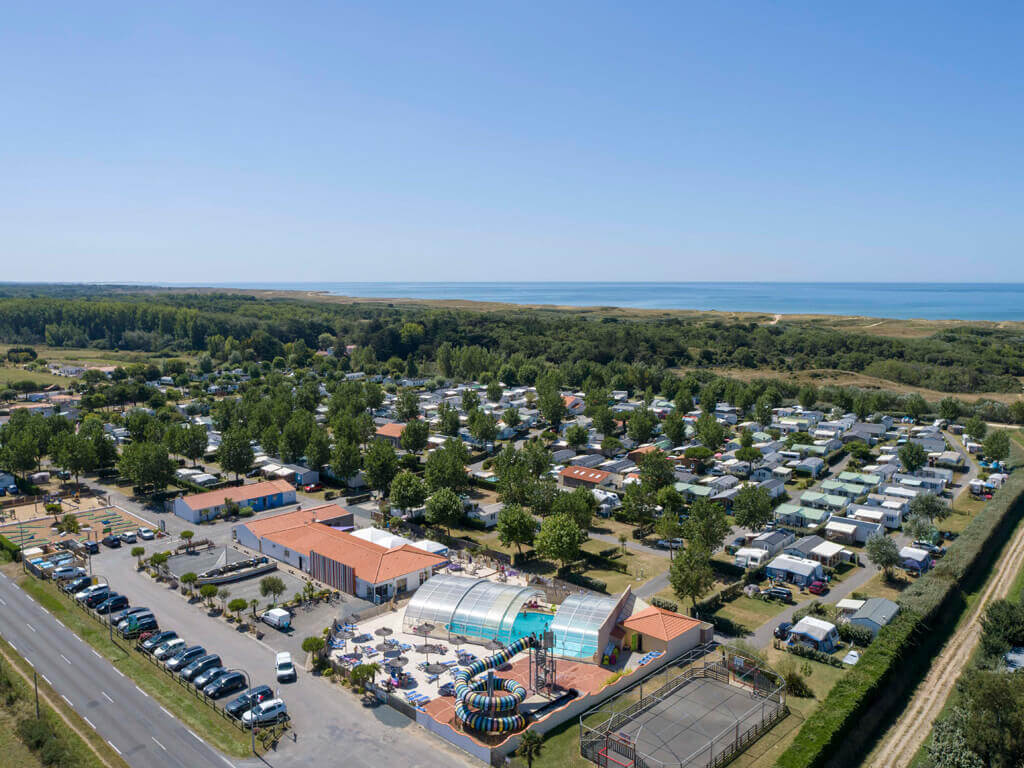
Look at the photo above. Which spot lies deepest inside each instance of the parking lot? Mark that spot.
(249, 589)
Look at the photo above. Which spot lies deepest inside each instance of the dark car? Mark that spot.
(199, 664)
(147, 623)
(227, 683)
(96, 598)
(117, 618)
(779, 593)
(183, 658)
(112, 541)
(207, 676)
(249, 699)
(151, 642)
(76, 585)
(114, 602)
(782, 631)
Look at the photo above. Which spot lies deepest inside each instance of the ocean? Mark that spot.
(932, 301)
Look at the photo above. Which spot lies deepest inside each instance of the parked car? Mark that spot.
(91, 547)
(146, 534)
(94, 599)
(128, 537)
(147, 623)
(312, 487)
(817, 588)
(779, 593)
(91, 590)
(169, 648)
(932, 549)
(67, 572)
(185, 657)
(246, 701)
(76, 585)
(199, 664)
(207, 676)
(270, 711)
(225, 684)
(114, 602)
(154, 641)
(117, 618)
(782, 631)
(283, 667)
(132, 620)
(670, 543)
(112, 541)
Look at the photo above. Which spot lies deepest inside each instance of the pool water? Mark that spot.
(530, 623)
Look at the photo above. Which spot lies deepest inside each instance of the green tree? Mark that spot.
(193, 443)
(511, 417)
(187, 537)
(295, 436)
(656, 471)
(948, 748)
(272, 587)
(918, 528)
(675, 428)
(314, 644)
(449, 420)
(975, 428)
(997, 445)
(345, 460)
(752, 507)
(414, 436)
(912, 456)
(576, 436)
(706, 527)
(237, 605)
(407, 407)
(995, 722)
(883, 552)
(74, 452)
(137, 553)
(637, 503)
(207, 592)
(579, 504)
(691, 576)
(188, 580)
(235, 453)
(444, 508)
(807, 396)
(915, 406)
(710, 433)
(482, 426)
(536, 457)
(641, 425)
(147, 465)
(552, 406)
(407, 491)
(531, 744)
(446, 467)
(929, 506)
(318, 449)
(950, 408)
(380, 465)
(763, 412)
(559, 539)
(494, 391)
(668, 527)
(515, 526)
(470, 401)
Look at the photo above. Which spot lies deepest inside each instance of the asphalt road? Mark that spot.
(138, 728)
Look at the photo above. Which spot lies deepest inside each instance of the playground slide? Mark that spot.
(491, 712)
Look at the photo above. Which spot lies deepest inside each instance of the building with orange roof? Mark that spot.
(573, 477)
(656, 629)
(305, 540)
(638, 453)
(573, 404)
(252, 532)
(392, 432)
(259, 496)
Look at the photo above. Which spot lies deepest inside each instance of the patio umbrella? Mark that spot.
(382, 648)
(458, 640)
(384, 631)
(493, 645)
(425, 630)
(399, 661)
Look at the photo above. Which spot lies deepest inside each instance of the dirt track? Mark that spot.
(901, 743)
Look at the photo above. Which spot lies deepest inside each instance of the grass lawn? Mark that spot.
(9, 374)
(610, 527)
(640, 567)
(748, 612)
(16, 754)
(195, 713)
(877, 586)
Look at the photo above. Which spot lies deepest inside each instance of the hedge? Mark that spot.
(10, 548)
(845, 723)
(667, 605)
(584, 581)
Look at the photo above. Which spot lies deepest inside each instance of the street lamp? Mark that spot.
(248, 692)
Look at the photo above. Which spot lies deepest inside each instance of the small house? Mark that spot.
(876, 613)
(914, 559)
(815, 633)
(795, 570)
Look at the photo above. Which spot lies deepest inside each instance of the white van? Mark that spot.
(278, 618)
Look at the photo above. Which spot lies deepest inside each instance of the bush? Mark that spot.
(9, 547)
(809, 653)
(851, 633)
(585, 581)
(730, 570)
(246, 512)
(667, 605)
(328, 495)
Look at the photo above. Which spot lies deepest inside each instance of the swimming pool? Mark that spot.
(530, 623)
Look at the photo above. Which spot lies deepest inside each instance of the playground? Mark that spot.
(95, 522)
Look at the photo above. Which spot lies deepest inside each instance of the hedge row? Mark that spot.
(842, 724)
(10, 548)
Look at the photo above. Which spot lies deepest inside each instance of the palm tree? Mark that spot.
(530, 747)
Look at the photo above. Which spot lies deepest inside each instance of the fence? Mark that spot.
(601, 743)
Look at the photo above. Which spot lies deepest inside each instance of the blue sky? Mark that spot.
(211, 142)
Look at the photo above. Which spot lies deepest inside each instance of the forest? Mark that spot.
(466, 343)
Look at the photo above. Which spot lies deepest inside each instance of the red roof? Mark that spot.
(237, 493)
(297, 518)
(660, 624)
(394, 429)
(585, 474)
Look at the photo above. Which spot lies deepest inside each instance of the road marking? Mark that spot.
(30, 663)
(47, 680)
(12, 645)
(119, 671)
(94, 653)
(67, 700)
(107, 696)
(30, 626)
(44, 610)
(88, 722)
(141, 691)
(158, 743)
(2, 601)
(196, 736)
(226, 760)
(65, 658)
(113, 747)
(167, 713)
(60, 622)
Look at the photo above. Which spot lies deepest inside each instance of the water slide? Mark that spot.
(479, 705)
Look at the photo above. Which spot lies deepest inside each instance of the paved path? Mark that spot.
(972, 466)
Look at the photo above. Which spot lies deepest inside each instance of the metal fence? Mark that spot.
(600, 739)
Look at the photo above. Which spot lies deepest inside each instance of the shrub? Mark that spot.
(809, 653)
(246, 512)
(667, 605)
(851, 633)
(585, 581)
